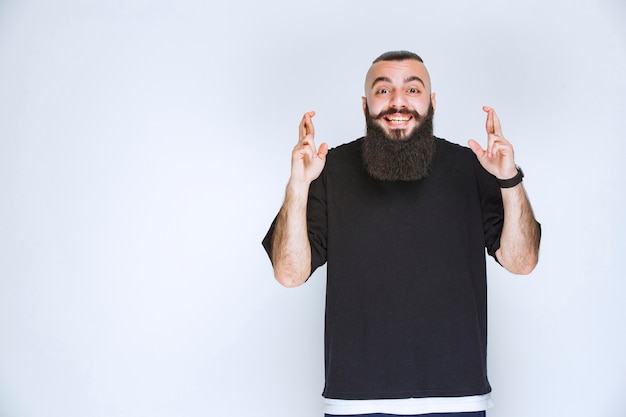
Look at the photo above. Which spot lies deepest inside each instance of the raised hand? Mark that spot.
(307, 161)
(520, 237)
(291, 250)
(498, 159)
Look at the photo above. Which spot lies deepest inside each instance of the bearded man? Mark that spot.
(402, 219)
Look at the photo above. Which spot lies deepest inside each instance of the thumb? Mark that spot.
(322, 151)
(476, 148)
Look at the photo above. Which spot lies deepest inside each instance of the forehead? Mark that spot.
(397, 72)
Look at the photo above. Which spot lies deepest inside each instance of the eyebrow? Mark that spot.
(406, 80)
(414, 78)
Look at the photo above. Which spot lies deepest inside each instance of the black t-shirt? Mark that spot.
(406, 294)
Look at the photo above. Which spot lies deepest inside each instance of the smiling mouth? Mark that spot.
(398, 120)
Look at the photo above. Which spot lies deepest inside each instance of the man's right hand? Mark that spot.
(291, 250)
(307, 161)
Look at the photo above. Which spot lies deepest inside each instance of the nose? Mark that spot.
(398, 100)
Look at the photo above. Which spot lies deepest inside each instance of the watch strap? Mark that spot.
(512, 182)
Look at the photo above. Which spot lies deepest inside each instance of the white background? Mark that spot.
(144, 150)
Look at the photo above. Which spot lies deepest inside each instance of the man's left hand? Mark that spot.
(498, 158)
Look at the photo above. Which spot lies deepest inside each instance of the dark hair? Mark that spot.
(398, 56)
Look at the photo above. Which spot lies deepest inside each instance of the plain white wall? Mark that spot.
(144, 150)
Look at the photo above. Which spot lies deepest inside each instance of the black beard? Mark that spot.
(399, 158)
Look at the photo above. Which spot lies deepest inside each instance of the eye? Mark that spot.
(382, 91)
(413, 90)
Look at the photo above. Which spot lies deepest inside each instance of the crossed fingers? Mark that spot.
(496, 142)
(307, 134)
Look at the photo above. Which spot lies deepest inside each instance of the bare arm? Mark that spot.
(519, 242)
(291, 250)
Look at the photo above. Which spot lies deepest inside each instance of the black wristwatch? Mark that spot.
(512, 182)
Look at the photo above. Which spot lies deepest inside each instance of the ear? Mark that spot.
(433, 100)
(364, 102)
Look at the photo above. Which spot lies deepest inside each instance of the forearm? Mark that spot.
(519, 242)
(291, 250)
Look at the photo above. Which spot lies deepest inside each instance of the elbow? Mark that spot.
(290, 280)
(523, 265)
(524, 269)
(291, 271)
(518, 263)
(287, 282)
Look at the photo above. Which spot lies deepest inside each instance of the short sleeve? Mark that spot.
(317, 225)
(491, 207)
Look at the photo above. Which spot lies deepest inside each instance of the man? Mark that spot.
(402, 219)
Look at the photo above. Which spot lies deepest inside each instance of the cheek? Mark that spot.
(374, 112)
(421, 106)
(375, 106)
